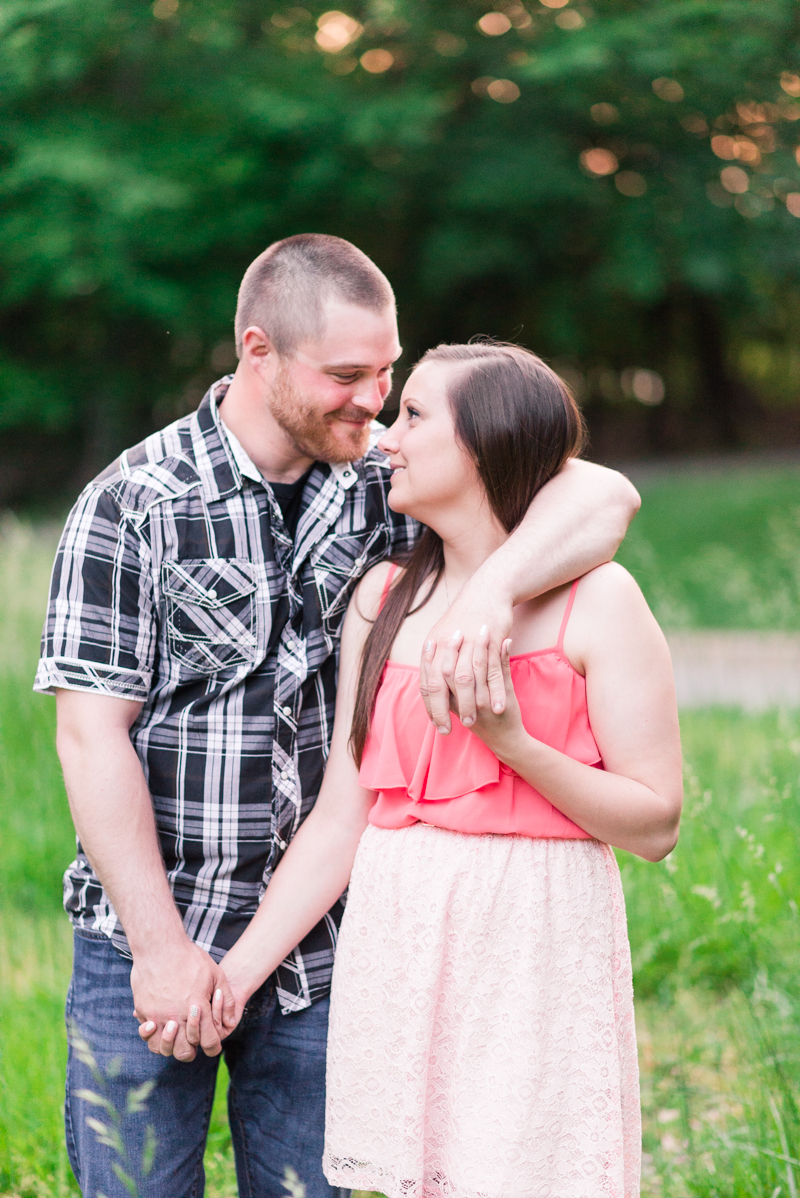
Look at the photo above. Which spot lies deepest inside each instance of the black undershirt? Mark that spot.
(289, 497)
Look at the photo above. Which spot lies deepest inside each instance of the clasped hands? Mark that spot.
(183, 1001)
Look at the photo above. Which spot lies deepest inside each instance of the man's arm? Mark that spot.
(576, 522)
(113, 815)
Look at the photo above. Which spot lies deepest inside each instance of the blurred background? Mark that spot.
(615, 184)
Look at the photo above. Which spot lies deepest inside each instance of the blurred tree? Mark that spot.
(616, 185)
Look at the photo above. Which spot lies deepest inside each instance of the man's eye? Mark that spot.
(345, 378)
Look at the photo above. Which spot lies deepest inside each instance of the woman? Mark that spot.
(481, 1035)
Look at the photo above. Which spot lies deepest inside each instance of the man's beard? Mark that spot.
(311, 431)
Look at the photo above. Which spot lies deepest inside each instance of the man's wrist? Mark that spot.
(160, 943)
(491, 581)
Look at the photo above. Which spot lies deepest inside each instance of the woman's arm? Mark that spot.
(635, 801)
(315, 869)
(576, 522)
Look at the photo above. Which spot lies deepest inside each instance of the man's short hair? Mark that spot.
(284, 291)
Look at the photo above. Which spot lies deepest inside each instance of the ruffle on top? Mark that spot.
(455, 781)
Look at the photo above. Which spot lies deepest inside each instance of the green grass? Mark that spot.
(714, 929)
(720, 550)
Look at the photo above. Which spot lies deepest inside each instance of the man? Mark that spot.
(191, 641)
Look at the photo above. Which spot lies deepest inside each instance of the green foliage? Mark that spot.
(721, 910)
(719, 550)
(149, 151)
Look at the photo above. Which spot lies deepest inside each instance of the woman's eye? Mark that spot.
(411, 412)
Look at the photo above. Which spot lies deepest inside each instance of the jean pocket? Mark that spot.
(211, 613)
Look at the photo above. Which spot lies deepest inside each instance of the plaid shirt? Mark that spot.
(177, 584)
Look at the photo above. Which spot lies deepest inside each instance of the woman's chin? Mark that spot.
(396, 503)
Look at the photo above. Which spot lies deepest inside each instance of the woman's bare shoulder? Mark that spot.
(367, 595)
(610, 584)
(610, 617)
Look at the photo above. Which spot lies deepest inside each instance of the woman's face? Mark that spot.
(431, 473)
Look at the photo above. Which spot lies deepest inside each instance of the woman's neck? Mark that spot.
(466, 548)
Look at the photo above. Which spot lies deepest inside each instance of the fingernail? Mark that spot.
(170, 1027)
(218, 994)
(149, 1026)
(428, 646)
(194, 1012)
(443, 731)
(456, 633)
(498, 706)
(467, 721)
(484, 628)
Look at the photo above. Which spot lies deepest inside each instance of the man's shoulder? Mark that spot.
(161, 467)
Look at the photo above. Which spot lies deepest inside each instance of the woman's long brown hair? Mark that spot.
(519, 423)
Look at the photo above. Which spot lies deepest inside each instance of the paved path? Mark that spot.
(753, 670)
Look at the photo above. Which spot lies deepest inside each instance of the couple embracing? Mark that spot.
(295, 653)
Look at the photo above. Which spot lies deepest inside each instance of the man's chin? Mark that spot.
(345, 445)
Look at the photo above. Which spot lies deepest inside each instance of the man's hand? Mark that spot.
(173, 988)
(478, 621)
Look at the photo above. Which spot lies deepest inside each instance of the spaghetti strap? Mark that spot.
(568, 609)
(389, 576)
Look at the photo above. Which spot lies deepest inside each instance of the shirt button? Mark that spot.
(281, 844)
(286, 710)
(212, 594)
(347, 474)
(284, 774)
(360, 562)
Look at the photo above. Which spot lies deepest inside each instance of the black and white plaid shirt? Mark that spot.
(177, 584)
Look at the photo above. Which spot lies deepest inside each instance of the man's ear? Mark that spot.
(257, 349)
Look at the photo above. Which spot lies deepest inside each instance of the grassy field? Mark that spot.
(714, 928)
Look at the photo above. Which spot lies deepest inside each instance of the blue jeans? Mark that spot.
(276, 1099)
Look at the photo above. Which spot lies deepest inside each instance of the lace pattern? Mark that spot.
(482, 1040)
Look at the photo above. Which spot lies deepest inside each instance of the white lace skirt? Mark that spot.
(482, 1041)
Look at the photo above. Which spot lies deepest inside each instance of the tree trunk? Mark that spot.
(719, 391)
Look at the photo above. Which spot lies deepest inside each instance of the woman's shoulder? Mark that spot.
(369, 591)
(610, 584)
(610, 615)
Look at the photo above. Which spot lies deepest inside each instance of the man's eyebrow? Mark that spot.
(346, 367)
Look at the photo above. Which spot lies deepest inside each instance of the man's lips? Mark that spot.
(357, 418)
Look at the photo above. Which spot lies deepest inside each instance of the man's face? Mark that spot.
(326, 394)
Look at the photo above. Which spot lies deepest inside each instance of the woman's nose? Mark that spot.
(387, 442)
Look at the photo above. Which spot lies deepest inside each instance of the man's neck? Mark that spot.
(244, 412)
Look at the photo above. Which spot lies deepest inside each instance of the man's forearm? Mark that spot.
(576, 522)
(113, 815)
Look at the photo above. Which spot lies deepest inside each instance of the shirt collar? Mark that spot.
(344, 472)
(247, 466)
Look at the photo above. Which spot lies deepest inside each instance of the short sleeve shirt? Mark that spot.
(177, 584)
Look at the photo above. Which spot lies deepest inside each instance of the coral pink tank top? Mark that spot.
(455, 781)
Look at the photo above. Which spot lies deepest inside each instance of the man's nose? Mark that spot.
(369, 396)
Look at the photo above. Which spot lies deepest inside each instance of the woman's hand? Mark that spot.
(500, 730)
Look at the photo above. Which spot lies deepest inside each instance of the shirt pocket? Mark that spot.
(343, 561)
(210, 613)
